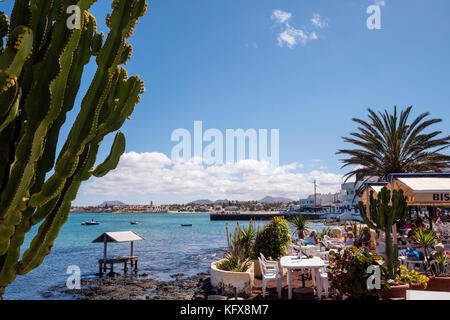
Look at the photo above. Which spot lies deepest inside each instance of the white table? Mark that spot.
(293, 262)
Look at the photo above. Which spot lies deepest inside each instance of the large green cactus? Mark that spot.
(383, 215)
(41, 64)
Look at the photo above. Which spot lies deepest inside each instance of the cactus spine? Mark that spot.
(41, 64)
(384, 213)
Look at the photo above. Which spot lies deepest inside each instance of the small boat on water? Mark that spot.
(134, 222)
(90, 223)
(186, 225)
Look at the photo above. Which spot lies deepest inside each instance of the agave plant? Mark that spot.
(427, 239)
(236, 258)
(248, 236)
(390, 143)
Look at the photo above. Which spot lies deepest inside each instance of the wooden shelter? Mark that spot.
(118, 237)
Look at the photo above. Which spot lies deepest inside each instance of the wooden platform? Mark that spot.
(133, 260)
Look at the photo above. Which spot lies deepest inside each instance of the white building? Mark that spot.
(348, 193)
(307, 203)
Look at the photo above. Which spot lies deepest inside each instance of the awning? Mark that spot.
(372, 186)
(120, 236)
(423, 189)
(427, 184)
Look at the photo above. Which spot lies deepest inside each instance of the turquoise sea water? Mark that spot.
(168, 249)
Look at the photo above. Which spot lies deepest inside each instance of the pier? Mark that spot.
(257, 216)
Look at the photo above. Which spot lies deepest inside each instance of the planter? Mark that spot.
(439, 284)
(417, 286)
(230, 282)
(257, 269)
(396, 292)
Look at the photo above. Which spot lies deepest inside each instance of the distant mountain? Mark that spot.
(221, 201)
(269, 199)
(113, 204)
(201, 202)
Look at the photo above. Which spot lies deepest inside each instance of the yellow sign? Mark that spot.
(431, 197)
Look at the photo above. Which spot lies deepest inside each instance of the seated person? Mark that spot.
(364, 239)
(337, 233)
(349, 239)
(312, 239)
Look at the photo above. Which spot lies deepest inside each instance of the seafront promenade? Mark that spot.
(257, 215)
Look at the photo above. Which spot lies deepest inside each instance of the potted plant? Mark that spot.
(349, 273)
(272, 241)
(235, 272)
(414, 279)
(440, 276)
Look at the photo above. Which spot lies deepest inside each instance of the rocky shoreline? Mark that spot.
(197, 287)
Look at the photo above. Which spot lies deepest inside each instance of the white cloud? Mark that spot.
(380, 3)
(280, 16)
(291, 36)
(154, 173)
(318, 22)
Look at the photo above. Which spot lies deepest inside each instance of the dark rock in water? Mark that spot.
(177, 275)
(124, 288)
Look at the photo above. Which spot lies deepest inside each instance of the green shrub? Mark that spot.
(273, 240)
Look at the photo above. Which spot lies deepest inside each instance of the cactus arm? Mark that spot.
(4, 27)
(11, 114)
(110, 163)
(48, 231)
(34, 107)
(7, 269)
(19, 48)
(84, 128)
(30, 147)
(21, 14)
(363, 213)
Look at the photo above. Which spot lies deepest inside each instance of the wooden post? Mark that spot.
(131, 248)
(104, 247)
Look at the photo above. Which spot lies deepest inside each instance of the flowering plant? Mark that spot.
(411, 277)
(350, 276)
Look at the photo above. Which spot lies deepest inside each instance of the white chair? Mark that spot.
(270, 273)
(325, 256)
(324, 282)
(402, 256)
(270, 264)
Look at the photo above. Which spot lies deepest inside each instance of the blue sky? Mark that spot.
(221, 62)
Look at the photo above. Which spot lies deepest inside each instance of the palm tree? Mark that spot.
(298, 222)
(389, 143)
(427, 239)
